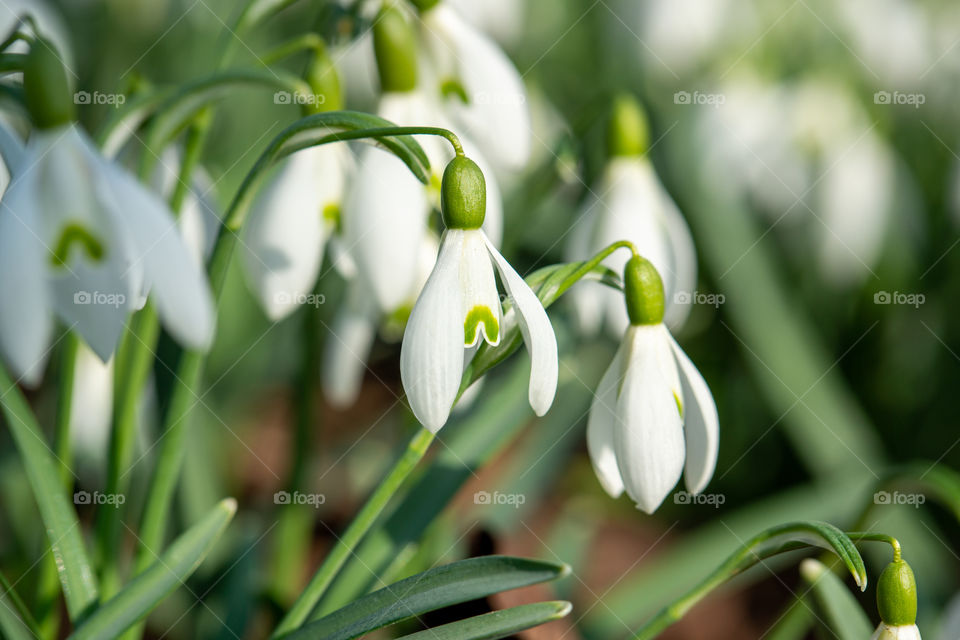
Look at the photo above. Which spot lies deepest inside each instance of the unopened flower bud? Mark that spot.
(463, 194)
(643, 292)
(324, 81)
(897, 603)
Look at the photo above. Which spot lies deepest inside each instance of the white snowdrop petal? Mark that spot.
(649, 434)
(679, 298)
(178, 287)
(537, 334)
(91, 409)
(26, 324)
(481, 302)
(431, 356)
(384, 219)
(283, 238)
(701, 424)
(497, 114)
(601, 425)
(345, 356)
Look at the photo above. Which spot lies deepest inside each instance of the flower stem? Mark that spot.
(48, 583)
(868, 536)
(303, 608)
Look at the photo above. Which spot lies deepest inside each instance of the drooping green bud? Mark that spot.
(897, 595)
(424, 5)
(45, 86)
(629, 132)
(324, 81)
(643, 292)
(395, 46)
(463, 194)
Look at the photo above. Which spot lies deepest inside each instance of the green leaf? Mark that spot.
(428, 591)
(149, 588)
(841, 611)
(15, 620)
(775, 540)
(496, 624)
(59, 517)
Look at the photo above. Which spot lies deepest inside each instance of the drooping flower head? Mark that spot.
(86, 239)
(631, 204)
(459, 308)
(653, 417)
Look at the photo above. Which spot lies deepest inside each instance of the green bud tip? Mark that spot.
(629, 132)
(897, 594)
(395, 47)
(643, 292)
(45, 86)
(324, 81)
(463, 194)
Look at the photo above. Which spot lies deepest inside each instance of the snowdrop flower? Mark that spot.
(485, 93)
(386, 208)
(289, 225)
(631, 204)
(653, 417)
(459, 307)
(296, 214)
(86, 239)
(897, 602)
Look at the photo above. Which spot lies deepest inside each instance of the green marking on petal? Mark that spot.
(331, 214)
(679, 402)
(453, 87)
(75, 234)
(480, 314)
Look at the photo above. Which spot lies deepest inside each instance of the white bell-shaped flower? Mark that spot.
(653, 417)
(631, 204)
(896, 632)
(459, 307)
(290, 223)
(485, 93)
(386, 209)
(87, 240)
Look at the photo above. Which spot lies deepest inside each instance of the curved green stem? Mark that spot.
(867, 536)
(305, 42)
(302, 609)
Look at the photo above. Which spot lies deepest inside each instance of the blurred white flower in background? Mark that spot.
(290, 223)
(503, 20)
(483, 90)
(89, 242)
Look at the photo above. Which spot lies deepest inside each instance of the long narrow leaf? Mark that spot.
(170, 571)
(59, 517)
(428, 591)
(839, 610)
(497, 624)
